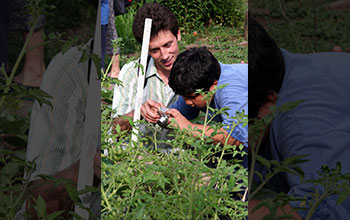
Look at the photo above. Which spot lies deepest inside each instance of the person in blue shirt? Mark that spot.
(104, 24)
(319, 127)
(197, 68)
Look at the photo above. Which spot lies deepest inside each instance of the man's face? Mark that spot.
(164, 49)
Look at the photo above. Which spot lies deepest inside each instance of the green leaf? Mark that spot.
(54, 215)
(40, 207)
(289, 106)
(68, 44)
(341, 198)
(265, 162)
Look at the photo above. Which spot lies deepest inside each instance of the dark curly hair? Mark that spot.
(162, 20)
(266, 67)
(195, 68)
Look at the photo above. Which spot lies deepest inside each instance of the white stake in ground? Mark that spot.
(141, 74)
(91, 138)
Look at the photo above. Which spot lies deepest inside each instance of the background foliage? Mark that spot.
(304, 26)
(221, 30)
(197, 13)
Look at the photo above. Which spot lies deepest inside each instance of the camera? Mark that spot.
(163, 120)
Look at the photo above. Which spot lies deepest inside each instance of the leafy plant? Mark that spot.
(191, 181)
(195, 13)
(124, 29)
(15, 171)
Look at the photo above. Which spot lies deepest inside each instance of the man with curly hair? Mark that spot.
(163, 51)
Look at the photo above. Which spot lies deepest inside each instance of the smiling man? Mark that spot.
(163, 50)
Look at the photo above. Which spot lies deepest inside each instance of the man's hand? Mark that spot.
(123, 122)
(179, 119)
(56, 197)
(149, 110)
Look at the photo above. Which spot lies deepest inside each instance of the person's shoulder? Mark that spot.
(241, 67)
(128, 70)
(235, 70)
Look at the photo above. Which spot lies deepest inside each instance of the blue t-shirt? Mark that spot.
(234, 95)
(318, 127)
(104, 12)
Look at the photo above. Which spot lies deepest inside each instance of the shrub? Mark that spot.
(193, 181)
(124, 29)
(229, 12)
(197, 13)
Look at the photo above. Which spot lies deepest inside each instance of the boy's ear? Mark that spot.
(270, 100)
(212, 87)
(178, 35)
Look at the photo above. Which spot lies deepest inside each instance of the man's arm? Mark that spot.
(123, 97)
(123, 101)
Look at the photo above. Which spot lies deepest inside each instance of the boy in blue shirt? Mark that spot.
(197, 68)
(318, 127)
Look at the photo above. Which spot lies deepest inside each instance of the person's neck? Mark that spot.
(164, 74)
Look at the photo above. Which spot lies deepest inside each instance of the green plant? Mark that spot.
(15, 171)
(195, 13)
(229, 12)
(124, 29)
(143, 182)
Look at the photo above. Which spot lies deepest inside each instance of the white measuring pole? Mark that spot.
(141, 74)
(91, 138)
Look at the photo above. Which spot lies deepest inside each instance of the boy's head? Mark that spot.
(163, 46)
(162, 20)
(265, 68)
(195, 68)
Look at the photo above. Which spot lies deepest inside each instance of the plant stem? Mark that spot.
(205, 120)
(228, 136)
(254, 151)
(105, 199)
(18, 61)
(314, 207)
(259, 187)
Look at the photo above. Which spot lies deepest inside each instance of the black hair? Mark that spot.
(265, 67)
(162, 20)
(195, 68)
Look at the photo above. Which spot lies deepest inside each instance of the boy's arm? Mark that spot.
(262, 212)
(220, 137)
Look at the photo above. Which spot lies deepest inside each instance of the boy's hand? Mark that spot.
(149, 110)
(181, 121)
